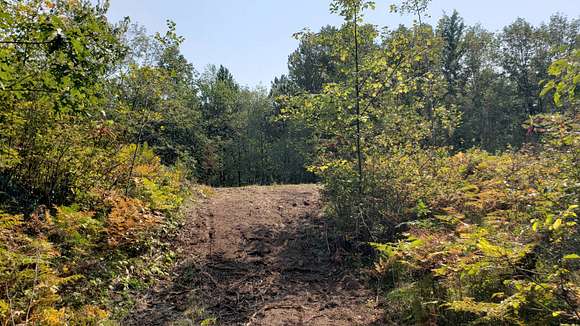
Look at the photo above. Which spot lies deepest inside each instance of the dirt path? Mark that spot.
(259, 256)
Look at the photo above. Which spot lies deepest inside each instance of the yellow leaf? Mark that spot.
(572, 257)
(557, 224)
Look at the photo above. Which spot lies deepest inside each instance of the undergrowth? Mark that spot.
(69, 265)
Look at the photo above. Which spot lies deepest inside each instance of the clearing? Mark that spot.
(259, 256)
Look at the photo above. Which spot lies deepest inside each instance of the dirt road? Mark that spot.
(259, 256)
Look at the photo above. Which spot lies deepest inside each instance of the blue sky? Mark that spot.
(253, 38)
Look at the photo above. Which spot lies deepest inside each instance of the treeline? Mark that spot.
(222, 133)
(485, 84)
(482, 87)
(404, 121)
(138, 87)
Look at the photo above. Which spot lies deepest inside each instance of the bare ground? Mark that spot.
(259, 256)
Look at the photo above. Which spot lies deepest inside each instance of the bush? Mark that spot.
(494, 240)
(61, 265)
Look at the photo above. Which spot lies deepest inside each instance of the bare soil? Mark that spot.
(259, 256)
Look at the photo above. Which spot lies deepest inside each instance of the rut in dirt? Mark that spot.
(259, 256)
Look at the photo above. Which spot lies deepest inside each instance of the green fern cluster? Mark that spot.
(501, 248)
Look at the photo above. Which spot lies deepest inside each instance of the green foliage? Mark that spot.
(399, 115)
(244, 140)
(500, 247)
(50, 140)
(564, 73)
(350, 9)
(494, 104)
(77, 232)
(31, 283)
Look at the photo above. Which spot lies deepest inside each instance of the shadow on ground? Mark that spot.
(261, 257)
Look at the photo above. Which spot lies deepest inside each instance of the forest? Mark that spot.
(447, 158)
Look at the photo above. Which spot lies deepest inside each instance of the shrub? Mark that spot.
(499, 244)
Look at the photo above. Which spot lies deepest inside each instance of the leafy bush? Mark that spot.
(499, 244)
(62, 264)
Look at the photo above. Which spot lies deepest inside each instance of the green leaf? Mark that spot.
(489, 249)
(77, 46)
(556, 68)
(549, 86)
(549, 219)
(571, 257)
(558, 99)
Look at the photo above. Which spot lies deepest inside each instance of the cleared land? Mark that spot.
(259, 256)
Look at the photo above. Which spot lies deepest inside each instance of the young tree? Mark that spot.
(451, 30)
(352, 11)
